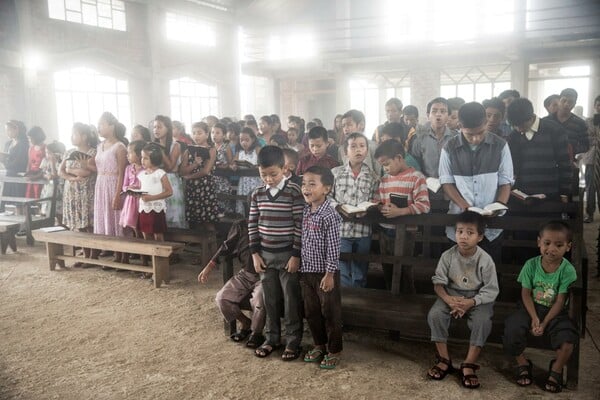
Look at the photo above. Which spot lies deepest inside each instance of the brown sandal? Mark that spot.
(440, 373)
(470, 377)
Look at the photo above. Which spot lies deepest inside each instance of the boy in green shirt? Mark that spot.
(545, 281)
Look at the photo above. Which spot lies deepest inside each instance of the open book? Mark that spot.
(244, 164)
(399, 200)
(199, 151)
(78, 155)
(359, 208)
(489, 210)
(524, 196)
(134, 192)
(433, 184)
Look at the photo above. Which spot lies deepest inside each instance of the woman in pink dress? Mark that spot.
(110, 163)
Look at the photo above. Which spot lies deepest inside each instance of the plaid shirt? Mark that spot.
(320, 239)
(348, 189)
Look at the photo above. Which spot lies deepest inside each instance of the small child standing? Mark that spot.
(319, 271)
(130, 210)
(318, 141)
(50, 167)
(402, 180)
(275, 233)
(200, 196)
(248, 152)
(289, 168)
(224, 159)
(354, 183)
(152, 207)
(37, 152)
(545, 281)
(465, 282)
(292, 140)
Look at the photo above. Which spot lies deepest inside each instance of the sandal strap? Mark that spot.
(442, 360)
(525, 370)
(474, 367)
(556, 375)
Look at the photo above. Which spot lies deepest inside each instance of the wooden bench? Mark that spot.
(404, 309)
(56, 238)
(29, 220)
(7, 235)
(207, 240)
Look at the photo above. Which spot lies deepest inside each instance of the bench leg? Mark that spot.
(53, 250)
(3, 242)
(160, 266)
(8, 239)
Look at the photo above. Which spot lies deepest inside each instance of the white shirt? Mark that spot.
(151, 183)
(273, 190)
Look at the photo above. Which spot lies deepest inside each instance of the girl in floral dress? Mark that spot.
(200, 197)
(80, 181)
(224, 160)
(248, 152)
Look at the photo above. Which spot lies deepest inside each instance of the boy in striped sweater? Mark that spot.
(402, 180)
(274, 233)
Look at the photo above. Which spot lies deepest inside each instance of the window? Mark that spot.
(435, 20)
(191, 30)
(292, 47)
(108, 14)
(475, 83)
(82, 95)
(256, 95)
(364, 96)
(192, 100)
(552, 78)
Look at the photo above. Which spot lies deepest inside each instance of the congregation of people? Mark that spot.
(289, 234)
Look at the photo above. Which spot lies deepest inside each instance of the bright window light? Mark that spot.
(364, 96)
(582, 70)
(192, 30)
(412, 22)
(82, 95)
(294, 46)
(109, 14)
(192, 100)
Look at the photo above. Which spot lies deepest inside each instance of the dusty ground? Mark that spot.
(93, 334)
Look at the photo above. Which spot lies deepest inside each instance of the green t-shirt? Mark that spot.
(544, 286)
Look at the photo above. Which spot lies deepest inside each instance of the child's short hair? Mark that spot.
(251, 122)
(509, 93)
(441, 100)
(291, 154)
(471, 115)
(519, 111)
(396, 102)
(235, 128)
(291, 128)
(496, 103)
(394, 130)
(250, 132)
(145, 132)
(317, 121)
(390, 149)
(36, 134)
(569, 92)
(471, 217)
(155, 153)
(357, 116)
(137, 146)
(220, 126)
(548, 100)
(279, 140)
(56, 148)
(411, 110)
(557, 226)
(318, 132)
(354, 136)
(267, 119)
(310, 125)
(270, 156)
(324, 173)
(455, 103)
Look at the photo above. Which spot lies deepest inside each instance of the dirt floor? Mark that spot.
(93, 334)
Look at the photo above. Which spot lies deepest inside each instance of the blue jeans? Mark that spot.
(354, 273)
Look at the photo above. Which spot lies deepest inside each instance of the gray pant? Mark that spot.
(479, 319)
(237, 289)
(281, 290)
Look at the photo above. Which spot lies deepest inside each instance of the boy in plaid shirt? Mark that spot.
(319, 273)
(354, 183)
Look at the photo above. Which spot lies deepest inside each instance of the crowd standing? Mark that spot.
(295, 224)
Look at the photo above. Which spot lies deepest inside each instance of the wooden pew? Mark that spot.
(56, 238)
(28, 220)
(7, 235)
(206, 239)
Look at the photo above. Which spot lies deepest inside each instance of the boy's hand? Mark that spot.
(203, 275)
(535, 327)
(259, 263)
(457, 313)
(392, 211)
(453, 301)
(465, 304)
(293, 264)
(327, 283)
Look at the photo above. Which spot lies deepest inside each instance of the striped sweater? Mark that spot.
(275, 223)
(410, 183)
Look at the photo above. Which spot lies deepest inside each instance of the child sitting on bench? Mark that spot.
(241, 286)
(466, 284)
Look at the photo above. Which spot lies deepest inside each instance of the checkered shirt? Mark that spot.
(320, 239)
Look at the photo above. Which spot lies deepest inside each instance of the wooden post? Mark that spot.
(398, 251)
